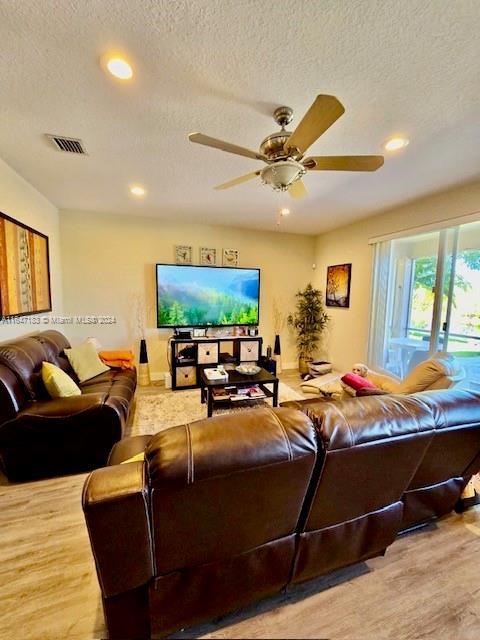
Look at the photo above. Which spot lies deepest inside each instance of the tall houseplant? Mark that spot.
(309, 321)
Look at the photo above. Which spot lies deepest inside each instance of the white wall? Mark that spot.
(106, 259)
(19, 200)
(348, 332)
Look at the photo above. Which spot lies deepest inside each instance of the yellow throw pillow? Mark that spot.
(85, 361)
(58, 383)
(140, 457)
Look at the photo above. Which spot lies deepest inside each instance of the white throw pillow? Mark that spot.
(85, 361)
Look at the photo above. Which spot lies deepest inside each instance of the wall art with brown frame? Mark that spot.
(24, 269)
(338, 285)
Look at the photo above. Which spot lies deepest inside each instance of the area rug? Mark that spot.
(159, 411)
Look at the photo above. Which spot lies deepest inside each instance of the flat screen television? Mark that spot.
(198, 296)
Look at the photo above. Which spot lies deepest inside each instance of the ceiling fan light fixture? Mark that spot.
(282, 174)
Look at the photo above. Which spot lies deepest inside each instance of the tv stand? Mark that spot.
(188, 356)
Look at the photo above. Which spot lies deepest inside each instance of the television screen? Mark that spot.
(189, 296)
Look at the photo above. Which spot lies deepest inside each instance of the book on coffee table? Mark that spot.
(255, 392)
(220, 393)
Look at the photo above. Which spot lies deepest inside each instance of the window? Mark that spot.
(431, 285)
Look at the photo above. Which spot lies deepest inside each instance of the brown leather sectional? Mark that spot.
(41, 437)
(228, 510)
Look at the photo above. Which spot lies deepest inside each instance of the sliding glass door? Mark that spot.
(458, 331)
(430, 287)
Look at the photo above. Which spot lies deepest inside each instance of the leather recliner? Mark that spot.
(230, 509)
(41, 437)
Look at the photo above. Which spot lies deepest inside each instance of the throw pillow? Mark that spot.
(357, 382)
(363, 393)
(427, 373)
(85, 361)
(140, 457)
(58, 383)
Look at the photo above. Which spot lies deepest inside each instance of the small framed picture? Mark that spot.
(199, 333)
(183, 254)
(230, 258)
(208, 256)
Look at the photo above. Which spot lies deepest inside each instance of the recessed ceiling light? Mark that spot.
(284, 211)
(120, 68)
(137, 190)
(394, 144)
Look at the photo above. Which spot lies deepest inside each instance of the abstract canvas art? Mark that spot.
(24, 269)
(338, 285)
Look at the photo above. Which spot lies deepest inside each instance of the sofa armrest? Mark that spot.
(116, 505)
(63, 408)
(126, 448)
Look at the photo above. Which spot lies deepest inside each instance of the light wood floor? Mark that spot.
(427, 585)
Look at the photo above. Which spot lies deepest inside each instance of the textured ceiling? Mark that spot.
(221, 67)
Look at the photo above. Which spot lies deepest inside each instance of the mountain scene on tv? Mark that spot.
(201, 296)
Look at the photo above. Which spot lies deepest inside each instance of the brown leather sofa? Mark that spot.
(41, 437)
(228, 510)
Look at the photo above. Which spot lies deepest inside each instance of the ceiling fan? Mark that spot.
(283, 151)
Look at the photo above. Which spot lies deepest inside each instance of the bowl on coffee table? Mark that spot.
(247, 369)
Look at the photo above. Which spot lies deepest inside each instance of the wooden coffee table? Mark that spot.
(240, 381)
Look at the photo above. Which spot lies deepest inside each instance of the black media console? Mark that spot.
(189, 355)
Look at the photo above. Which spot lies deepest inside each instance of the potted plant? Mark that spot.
(309, 321)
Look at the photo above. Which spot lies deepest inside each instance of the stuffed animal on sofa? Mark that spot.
(379, 380)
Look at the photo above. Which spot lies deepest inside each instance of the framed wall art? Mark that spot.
(24, 269)
(338, 285)
(230, 258)
(208, 256)
(183, 254)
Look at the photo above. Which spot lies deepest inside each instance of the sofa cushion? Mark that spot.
(228, 484)
(24, 357)
(85, 361)
(58, 383)
(117, 385)
(428, 372)
(54, 344)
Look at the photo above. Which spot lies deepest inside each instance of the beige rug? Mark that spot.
(155, 412)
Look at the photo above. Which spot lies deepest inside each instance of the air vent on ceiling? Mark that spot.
(68, 145)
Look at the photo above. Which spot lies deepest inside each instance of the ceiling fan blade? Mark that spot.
(343, 163)
(235, 181)
(298, 189)
(324, 111)
(199, 138)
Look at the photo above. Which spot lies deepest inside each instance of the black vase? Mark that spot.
(143, 359)
(276, 349)
(143, 367)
